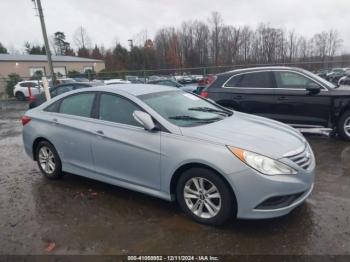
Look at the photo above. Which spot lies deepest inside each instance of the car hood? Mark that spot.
(340, 91)
(253, 133)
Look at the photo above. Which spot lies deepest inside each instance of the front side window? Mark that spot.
(78, 105)
(116, 109)
(184, 109)
(251, 80)
(293, 80)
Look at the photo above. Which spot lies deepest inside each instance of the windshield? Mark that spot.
(320, 79)
(184, 109)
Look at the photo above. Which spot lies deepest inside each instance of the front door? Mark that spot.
(296, 105)
(122, 148)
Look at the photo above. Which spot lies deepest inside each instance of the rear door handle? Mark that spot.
(238, 97)
(282, 98)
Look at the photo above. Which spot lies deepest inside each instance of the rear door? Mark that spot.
(69, 130)
(251, 92)
(295, 105)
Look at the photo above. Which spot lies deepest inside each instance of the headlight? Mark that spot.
(263, 164)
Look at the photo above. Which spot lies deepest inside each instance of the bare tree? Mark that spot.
(81, 38)
(334, 42)
(216, 23)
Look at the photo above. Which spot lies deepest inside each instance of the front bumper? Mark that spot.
(253, 189)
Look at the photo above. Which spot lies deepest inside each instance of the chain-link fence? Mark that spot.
(184, 75)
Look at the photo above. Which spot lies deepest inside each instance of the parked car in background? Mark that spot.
(345, 80)
(173, 83)
(60, 81)
(159, 77)
(216, 163)
(185, 79)
(81, 79)
(205, 82)
(196, 78)
(322, 73)
(58, 90)
(290, 95)
(116, 81)
(21, 89)
(335, 74)
(132, 79)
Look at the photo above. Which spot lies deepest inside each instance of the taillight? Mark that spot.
(204, 94)
(31, 98)
(25, 120)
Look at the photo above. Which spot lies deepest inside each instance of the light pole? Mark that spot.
(46, 41)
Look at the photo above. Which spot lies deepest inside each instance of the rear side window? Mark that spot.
(117, 109)
(252, 80)
(28, 84)
(78, 105)
(234, 81)
(53, 107)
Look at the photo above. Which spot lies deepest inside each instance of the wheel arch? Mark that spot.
(344, 109)
(19, 92)
(180, 170)
(35, 145)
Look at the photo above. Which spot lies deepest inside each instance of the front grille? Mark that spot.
(302, 159)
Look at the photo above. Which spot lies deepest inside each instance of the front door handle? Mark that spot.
(238, 97)
(54, 121)
(282, 98)
(100, 132)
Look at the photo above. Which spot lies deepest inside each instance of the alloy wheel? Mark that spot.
(47, 160)
(347, 126)
(202, 197)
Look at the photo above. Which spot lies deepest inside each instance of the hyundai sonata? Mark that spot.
(216, 163)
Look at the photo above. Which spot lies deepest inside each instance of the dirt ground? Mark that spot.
(81, 216)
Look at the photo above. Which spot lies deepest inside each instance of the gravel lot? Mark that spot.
(81, 216)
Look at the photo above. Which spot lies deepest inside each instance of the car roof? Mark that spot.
(134, 89)
(263, 68)
(29, 81)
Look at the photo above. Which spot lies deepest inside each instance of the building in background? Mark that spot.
(27, 65)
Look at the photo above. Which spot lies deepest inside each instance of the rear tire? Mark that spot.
(48, 160)
(343, 126)
(20, 96)
(205, 197)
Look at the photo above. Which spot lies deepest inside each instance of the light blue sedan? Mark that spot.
(216, 163)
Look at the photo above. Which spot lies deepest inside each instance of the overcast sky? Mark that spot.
(109, 20)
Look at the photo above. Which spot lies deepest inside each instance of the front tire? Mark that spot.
(48, 160)
(204, 196)
(343, 126)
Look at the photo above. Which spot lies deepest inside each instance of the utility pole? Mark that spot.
(131, 43)
(46, 41)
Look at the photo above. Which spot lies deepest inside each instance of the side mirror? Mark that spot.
(313, 89)
(144, 119)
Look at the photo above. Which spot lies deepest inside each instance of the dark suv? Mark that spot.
(60, 89)
(291, 95)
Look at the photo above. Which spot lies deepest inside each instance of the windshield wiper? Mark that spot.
(191, 118)
(210, 110)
